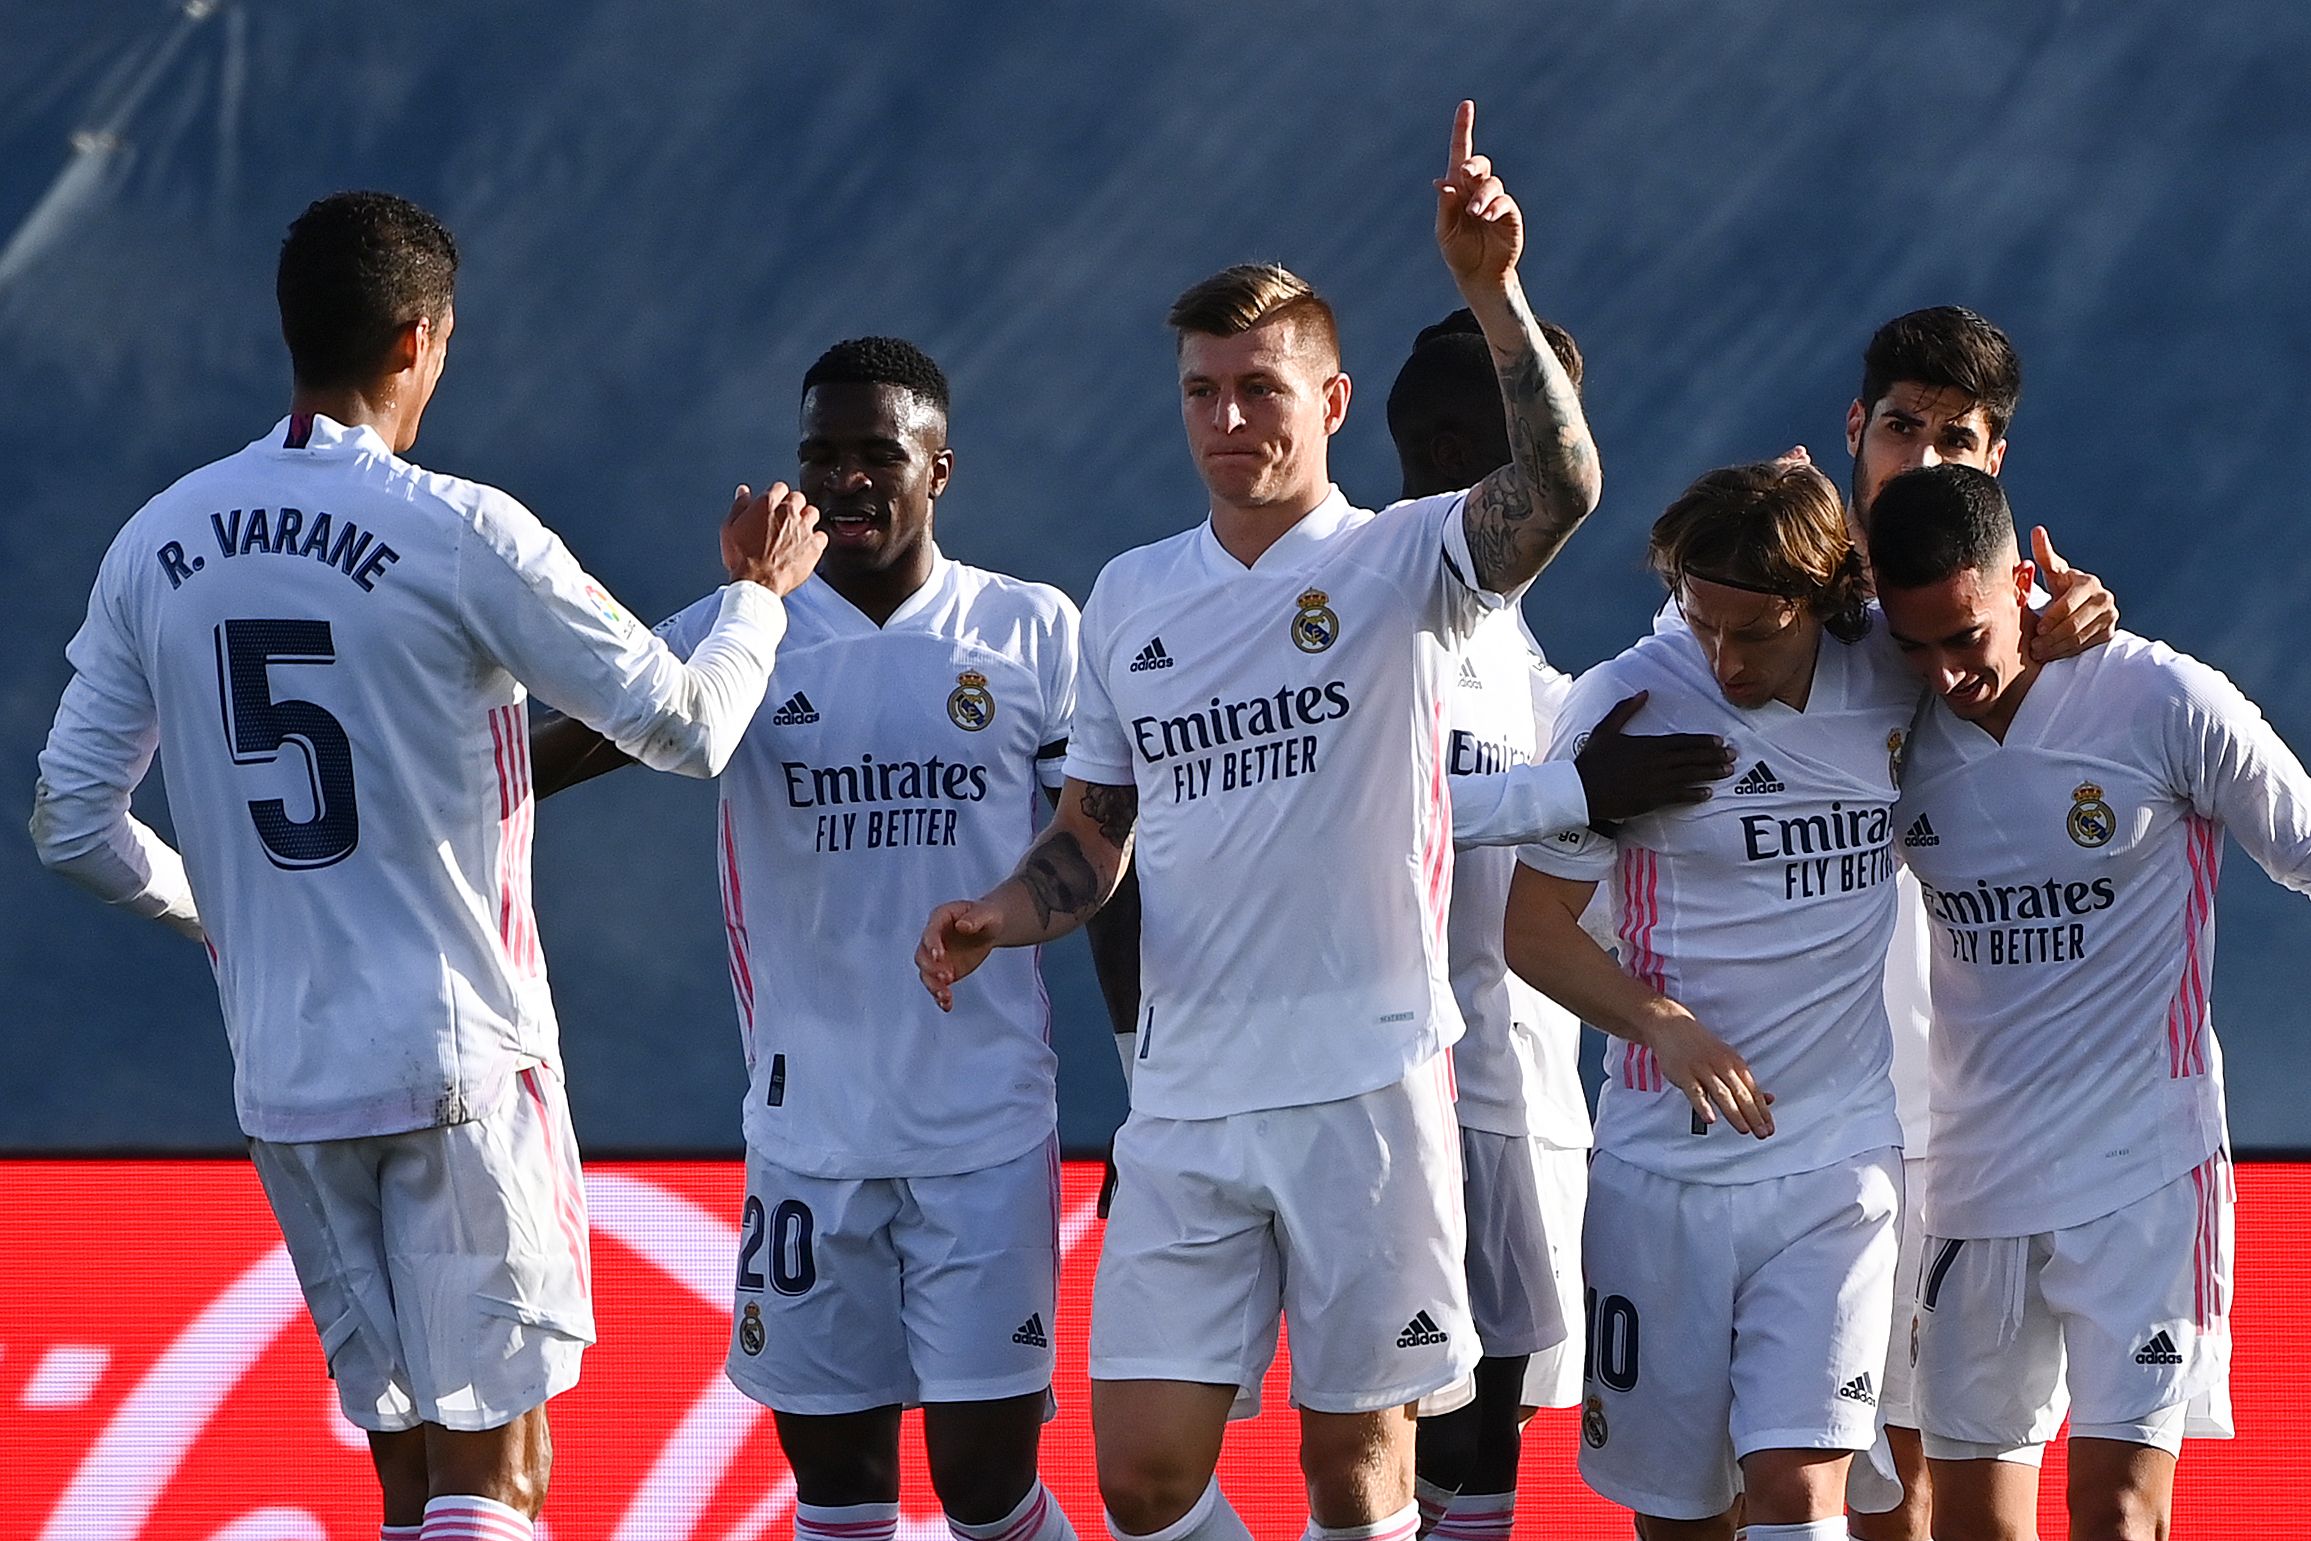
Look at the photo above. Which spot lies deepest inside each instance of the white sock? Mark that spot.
(1477, 1517)
(1038, 1518)
(1403, 1525)
(1211, 1519)
(1831, 1529)
(470, 1517)
(843, 1522)
(1432, 1502)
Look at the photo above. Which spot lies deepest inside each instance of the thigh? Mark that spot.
(1512, 1296)
(1658, 1377)
(324, 1197)
(1369, 1221)
(978, 1268)
(2141, 1295)
(485, 1227)
(1553, 1375)
(1813, 1305)
(815, 1319)
(1189, 1287)
(1897, 1400)
(1990, 1362)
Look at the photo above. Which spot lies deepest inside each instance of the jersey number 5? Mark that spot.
(256, 726)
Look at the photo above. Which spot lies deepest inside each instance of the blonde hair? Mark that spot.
(1250, 294)
(1776, 527)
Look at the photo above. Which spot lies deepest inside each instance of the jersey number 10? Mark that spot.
(257, 726)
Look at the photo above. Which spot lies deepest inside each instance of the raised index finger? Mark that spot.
(1463, 139)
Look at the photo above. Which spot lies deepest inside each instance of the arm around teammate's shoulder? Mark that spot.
(1069, 871)
(527, 601)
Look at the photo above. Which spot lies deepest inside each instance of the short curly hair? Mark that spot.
(891, 361)
(355, 269)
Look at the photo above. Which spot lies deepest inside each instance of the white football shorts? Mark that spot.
(1343, 1217)
(1553, 1374)
(2121, 1322)
(1726, 1318)
(1512, 1295)
(446, 1269)
(855, 1293)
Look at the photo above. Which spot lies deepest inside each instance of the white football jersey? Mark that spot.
(2069, 875)
(1765, 911)
(1517, 1069)
(328, 646)
(1285, 725)
(889, 769)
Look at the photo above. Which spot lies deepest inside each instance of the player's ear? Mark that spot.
(407, 348)
(1336, 392)
(1858, 418)
(2025, 579)
(942, 470)
(1996, 458)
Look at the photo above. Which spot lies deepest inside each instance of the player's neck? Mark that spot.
(1246, 531)
(376, 406)
(877, 593)
(2000, 718)
(1798, 689)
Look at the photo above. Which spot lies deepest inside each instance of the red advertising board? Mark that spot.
(159, 1380)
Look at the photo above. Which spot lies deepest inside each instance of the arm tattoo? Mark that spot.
(1060, 879)
(1114, 809)
(1552, 472)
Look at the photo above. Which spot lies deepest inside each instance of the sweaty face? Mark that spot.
(873, 459)
(1761, 647)
(1915, 425)
(1260, 408)
(1964, 638)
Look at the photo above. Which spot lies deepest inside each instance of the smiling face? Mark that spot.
(1915, 425)
(1761, 647)
(1260, 408)
(1964, 637)
(874, 459)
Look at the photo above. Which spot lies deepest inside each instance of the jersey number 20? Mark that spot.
(256, 727)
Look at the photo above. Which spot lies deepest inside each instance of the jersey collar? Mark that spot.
(312, 433)
(847, 617)
(1292, 548)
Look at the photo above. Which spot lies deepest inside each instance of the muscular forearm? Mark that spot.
(1113, 932)
(1521, 515)
(1548, 950)
(1059, 884)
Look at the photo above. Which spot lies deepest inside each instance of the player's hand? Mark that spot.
(1625, 775)
(1704, 1067)
(956, 940)
(2083, 613)
(1479, 229)
(1795, 455)
(771, 538)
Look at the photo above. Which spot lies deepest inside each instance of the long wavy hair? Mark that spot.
(1774, 526)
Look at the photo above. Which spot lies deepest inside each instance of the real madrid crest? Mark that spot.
(1314, 626)
(1593, 1422)
(1894, 757)
(2091, 823)
(750, 1336)
(971, 705)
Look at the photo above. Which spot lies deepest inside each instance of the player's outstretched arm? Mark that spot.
(2082, 612)
(1066, 875)
(1549, 950)
(1520, 516)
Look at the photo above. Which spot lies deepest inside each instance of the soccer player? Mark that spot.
(1939, 386)
(2065, 820)
(900, 1244)
(1738, 1289)
(1523, 1114)
(1263, 722)
(333, 649)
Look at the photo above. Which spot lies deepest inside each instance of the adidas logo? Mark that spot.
(1758, 778)
(1858, 1390)
(2159, 1350)
(795, 712)
(1421, 1331)
(1468, 676)
(1921, 833)
(1031, 1332)
(1152, 656)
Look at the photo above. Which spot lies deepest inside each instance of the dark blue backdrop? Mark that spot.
(668, 210)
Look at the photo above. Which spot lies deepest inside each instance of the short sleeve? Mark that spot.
(1097, 750)
(1058, 666)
